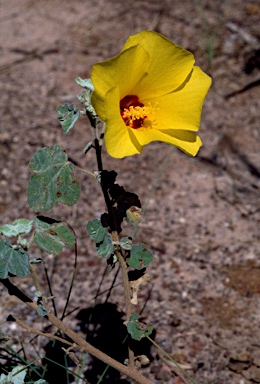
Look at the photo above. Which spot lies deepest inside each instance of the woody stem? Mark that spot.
(115, 238)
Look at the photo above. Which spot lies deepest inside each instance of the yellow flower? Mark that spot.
(150, 91)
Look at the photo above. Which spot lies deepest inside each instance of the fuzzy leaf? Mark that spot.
(13, 260)
(138, 330)
(85, 83)
(96, 231)
(106, 247)
(33, 260)
(126, 243)
(68, 115)
(88, 147)
(17, 227)
(140, 256)
(52, 180)
(52, 238)
(41, 310)
(16, 376)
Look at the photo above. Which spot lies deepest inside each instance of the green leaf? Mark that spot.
(140, 256)
(41, 310)
(136, 329)
(86, 83)
(52, 180)
(33, 260)
(126, 243)
(96, 230)
(68, 115)
(88, 147)
(17, 227)
(13, 260)
(41, 381)
(22, 242)
(52, 238)
(106, 248)
(15, 377)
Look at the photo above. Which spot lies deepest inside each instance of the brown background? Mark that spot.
(201, 223)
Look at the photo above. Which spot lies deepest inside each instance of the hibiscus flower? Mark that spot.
(151, 91)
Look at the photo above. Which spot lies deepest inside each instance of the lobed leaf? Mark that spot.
(16, 376)
(136, 329)
(68, 114)
(85, 83)
(140, 256)
(126, 243)
(52, 238)
(96, 230)
(16, 228)
(106, 247)
(52, 180)
(13, 260)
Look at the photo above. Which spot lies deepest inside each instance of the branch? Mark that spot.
(40, 333)
(82, 344)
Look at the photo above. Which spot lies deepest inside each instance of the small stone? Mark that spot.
(164, 374)
(256, 357)
(253, 373)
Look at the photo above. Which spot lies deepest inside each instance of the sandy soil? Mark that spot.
(202, 222)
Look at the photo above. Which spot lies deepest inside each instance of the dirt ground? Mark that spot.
(202, 222)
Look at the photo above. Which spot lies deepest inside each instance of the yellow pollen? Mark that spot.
(136, 113)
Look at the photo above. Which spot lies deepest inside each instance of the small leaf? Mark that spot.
(17, 227)
(140, 256)
(52, 180)
(106, 247)
(52, 238)
(15, 377)
(41, 310)
(86, 83)
(13, 260)
(33, 260)
(136, 329)
(22, 242)
(88, 147)
(41, 381)
(96, 231)
(126, 243)
(68, 115)
(134, 215)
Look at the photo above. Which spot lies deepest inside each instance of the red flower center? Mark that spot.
(133, 112)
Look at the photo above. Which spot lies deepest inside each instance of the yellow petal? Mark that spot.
(169, 64)
(119, 138)
(187, 141)
(182, 109)
(123, 71)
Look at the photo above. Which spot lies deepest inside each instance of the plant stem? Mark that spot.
(118, 253)
(85, 171)
(40, 333)
(82, 344)
(127, 290)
